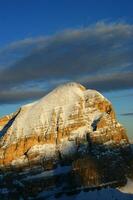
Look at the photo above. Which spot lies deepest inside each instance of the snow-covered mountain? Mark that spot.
(68, 140)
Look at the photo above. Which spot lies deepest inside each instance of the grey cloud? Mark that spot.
(127, 114)
(102, 48)
(19, 49)
(109, 82)
(21, 46)
(98, 48)
(20, 96)
(102, 83)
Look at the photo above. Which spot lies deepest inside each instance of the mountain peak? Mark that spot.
(71, 131)
(71, 85)
(68, 108)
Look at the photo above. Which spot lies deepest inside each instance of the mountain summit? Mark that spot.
(71, 131)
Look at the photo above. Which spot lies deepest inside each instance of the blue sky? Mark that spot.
(44, 43)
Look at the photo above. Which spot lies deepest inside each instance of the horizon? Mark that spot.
(44, 44)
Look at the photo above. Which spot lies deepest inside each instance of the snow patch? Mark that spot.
(48, 150)
(59, 170)
(128, 188)
(20, 161)
(67, 148)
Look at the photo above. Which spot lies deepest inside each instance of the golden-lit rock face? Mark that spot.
(4, 120)
(88, 111)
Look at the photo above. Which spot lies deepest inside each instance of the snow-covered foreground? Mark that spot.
(104, 194)
(123, 193)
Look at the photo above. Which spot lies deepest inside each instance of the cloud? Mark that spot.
(109, 82)
(99, 82)
(7, 97)
(127, 114)
(99, 56)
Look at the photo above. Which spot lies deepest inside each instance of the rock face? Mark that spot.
(71, 127)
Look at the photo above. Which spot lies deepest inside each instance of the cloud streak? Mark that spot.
(115, 81)
(99, 56)
(11, 97)
(127, 114)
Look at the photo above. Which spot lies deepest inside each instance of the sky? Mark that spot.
(45, 43)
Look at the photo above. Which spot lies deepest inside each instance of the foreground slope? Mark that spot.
(68, 139)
